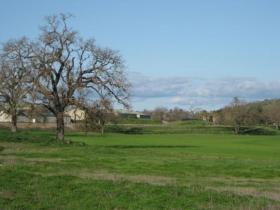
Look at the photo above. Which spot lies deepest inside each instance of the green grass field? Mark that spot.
(148, 171)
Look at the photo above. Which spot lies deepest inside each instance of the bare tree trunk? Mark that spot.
(102, 129)
(14, 123)
(236, 129)
(60, 126)
(86, 125)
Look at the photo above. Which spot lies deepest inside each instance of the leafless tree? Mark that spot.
(64, 64)
(163, 114)
(98, 114)
(236, 114)
(159, 114)
(272, 112)
(15, 78)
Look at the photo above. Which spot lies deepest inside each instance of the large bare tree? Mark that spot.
(65, 64)
(15, 77)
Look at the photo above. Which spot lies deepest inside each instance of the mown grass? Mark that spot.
(148, 171)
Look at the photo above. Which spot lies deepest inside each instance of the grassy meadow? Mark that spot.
(139, 171)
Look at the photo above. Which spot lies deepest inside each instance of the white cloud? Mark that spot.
(198, 92)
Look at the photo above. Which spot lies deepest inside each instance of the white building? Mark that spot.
(4, 117)
(75, 114)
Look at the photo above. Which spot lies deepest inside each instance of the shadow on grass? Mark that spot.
(41, 138)
(257, 131)
(1, 148)
(150, 146)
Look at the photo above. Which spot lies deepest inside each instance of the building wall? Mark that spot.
(142, 116)
(23, 119)
(76, 114)
(4, 117)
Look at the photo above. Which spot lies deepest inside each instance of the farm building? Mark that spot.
(42, 117)
(75, 114)
(5, 117)
(135, 115)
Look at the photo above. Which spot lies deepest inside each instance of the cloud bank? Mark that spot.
(193, 92)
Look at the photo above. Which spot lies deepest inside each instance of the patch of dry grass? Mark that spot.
(251, 191)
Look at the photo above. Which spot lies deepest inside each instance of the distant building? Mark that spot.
(208, 117)
(71, 115)
(24, 117)
(4, 117)
(131, 114)
(75, 114)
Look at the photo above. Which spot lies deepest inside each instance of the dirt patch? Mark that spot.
(154, 180)
(254, 207)
(165, 181)
(12, 147)
(7, 195)
(256, 187)
(249, 191)
(104, 175)
(243, 180)
(272, 184)
(14, 160)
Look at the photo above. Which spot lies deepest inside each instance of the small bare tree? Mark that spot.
(159, 114)
(236, 114)
(65, 64)
(14, 78)
(98, 114)
(272, 112)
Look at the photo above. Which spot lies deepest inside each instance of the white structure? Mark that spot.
(4, 117)
(76, 114)
(44, 117)
(132, 114)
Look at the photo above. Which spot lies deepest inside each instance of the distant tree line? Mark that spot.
(240, 113)
(162, 114)
(237, 114)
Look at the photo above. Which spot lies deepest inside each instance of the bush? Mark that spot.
(1, 148)
(257, 131)
(125, 130)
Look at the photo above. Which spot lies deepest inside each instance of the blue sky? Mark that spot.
(191, 54)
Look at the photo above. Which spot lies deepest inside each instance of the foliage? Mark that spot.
(98, 114)
(163, 114)
(238, 114)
